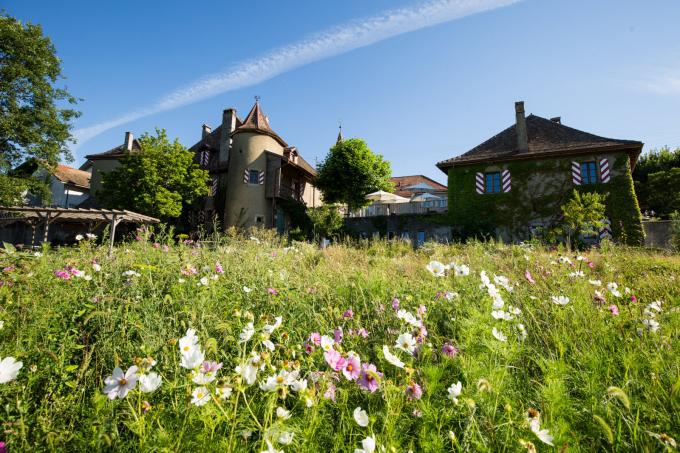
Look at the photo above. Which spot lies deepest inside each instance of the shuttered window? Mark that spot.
(588, 173)
(492, 182)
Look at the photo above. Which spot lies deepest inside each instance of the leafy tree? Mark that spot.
(33, 121)
(583, 214)
(664, 191)
(157, 181)
(350, 172)
(657, 198)
(326, 220)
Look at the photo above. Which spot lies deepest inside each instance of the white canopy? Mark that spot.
(425, 197)
(386, 197)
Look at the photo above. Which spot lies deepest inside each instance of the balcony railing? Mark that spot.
(381, 209)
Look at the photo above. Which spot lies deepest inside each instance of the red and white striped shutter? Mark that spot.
(246, 176)
(606, 230)
(604, 170)
(261, 177)
(505, 180)
(479, 182)
(576, 173)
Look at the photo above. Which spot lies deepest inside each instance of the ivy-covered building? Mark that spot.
(514, 183)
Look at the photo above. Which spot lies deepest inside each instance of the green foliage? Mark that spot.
(583, 214)
(675, 230)
(664, 191)
(600, 382)
(33, 121)
(656, 161)
(350, 172)
(158, 181)
(326, 221)
(539, 188)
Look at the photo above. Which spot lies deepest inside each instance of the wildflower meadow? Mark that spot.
(255, 344)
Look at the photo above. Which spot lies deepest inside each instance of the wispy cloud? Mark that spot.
(666, 85)
(326, 44)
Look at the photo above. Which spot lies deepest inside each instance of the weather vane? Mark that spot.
(257, 98)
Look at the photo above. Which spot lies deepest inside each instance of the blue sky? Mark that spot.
(608, 67)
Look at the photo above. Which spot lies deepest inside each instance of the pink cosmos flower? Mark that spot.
(315, 337)
(449, 350)
(210, 367)
(348, 314)
(308, 347)
(337, 333)
(591, 265)
(369, 377)
(62, 274)
(395, 304)
(352, 368)
(421, 310)
(614, 309)
(414, 391)
(362, 333)
(329, 394)
(156, 245)
(189, 270)
(9, 268)
(633, 299)
(218, 268)
(334, 360)
(3, 447)
(166, 248)
(529, 278)
(272, 291)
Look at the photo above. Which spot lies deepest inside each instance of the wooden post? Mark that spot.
(47, 227)
(114, 223)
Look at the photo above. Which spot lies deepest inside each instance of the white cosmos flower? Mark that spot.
(270, 447)
(500, 314)
(200, 396)
(614, 289)
(79, 237)
(651, 324)
(409, 318)
(542, 434)
(436, 268)
(514, 310)
(299, 385)
(393, 359)
(269, 328)
(454, 391)
(248, 332)
(327, 343)
(282, 413)
(406, 343)
(560, 300)
(119, 384)
(246, 289)
(498, 335)
(224, 392)
(522, 331)
(484, 278)
(577, 274)
(203, 281)
(131, 273)
(361, 417)
(503, 281)
(285, 438)
(192, 359)
(149, 382)
(269, 345)
(9, 369)
(91, 236)
(188, 342)
(367, 445)
(96, 267)
(595, 282)
(460, 270)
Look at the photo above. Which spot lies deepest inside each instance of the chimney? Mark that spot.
(205, 131)
(228, 126)
(556, 119)
(128, 141)
(521, 127)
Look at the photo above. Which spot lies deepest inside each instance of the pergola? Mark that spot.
(44, 217)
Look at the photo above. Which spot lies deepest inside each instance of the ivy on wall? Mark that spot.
(539, 188)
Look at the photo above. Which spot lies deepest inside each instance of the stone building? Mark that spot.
(512, 185)
(97, 164)
(257, 179)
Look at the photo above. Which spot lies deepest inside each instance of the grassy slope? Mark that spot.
(74, 332)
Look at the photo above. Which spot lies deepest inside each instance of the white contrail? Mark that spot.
(329, 43)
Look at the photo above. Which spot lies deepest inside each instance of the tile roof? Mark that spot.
(401, 184)
(256, 121)
(73, 176)
(115, 153)
(546, 138)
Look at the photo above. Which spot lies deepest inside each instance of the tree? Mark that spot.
(158, 181)
(326, 220)
(33, 121)
(583, 214)
(654, 162)
(350, 172)
(664, 191)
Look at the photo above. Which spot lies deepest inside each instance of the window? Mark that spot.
(259, 220)
(253, 176)
(588, 173)
(492, 182)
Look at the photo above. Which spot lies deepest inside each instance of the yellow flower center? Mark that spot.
(279, 379)
(350, 367)
(122, 381)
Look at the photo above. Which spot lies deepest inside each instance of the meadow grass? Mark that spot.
(595, 380)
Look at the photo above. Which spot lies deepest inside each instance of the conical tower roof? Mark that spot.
(257, 122)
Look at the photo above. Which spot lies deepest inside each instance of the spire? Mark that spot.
(256, 121)
(340, 138)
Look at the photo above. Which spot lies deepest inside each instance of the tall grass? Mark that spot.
(599, 381)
